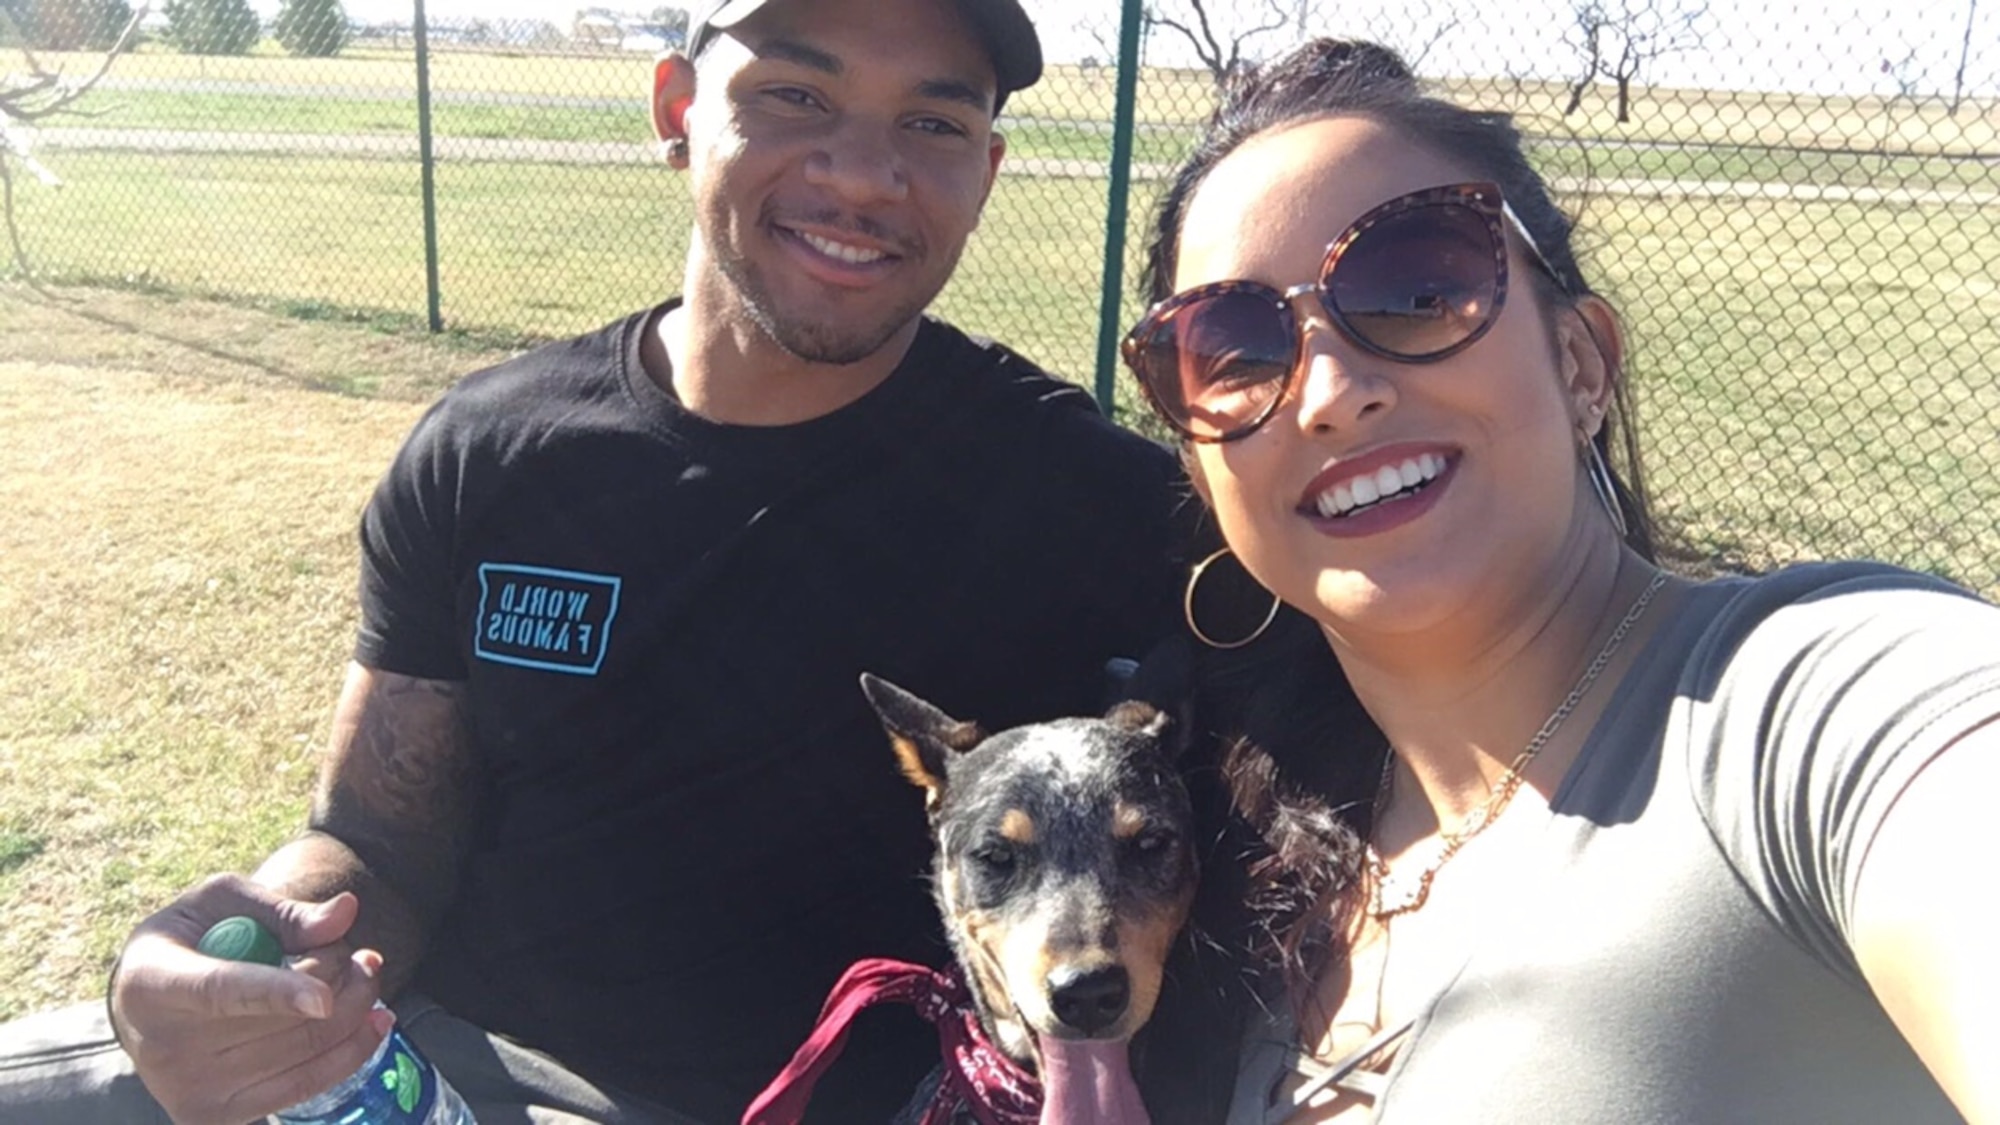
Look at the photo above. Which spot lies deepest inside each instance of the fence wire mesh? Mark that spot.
(1793, 207)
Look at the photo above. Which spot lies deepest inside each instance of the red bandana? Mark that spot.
(978, 1078)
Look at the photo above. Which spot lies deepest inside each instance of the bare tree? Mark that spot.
(1413, 49)
(1617, 39)
(1220, 50)
(34, 96)
(1104, 35)
(1586, 34)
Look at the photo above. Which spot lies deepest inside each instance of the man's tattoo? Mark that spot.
(397, 783)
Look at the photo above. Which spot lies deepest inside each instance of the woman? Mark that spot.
(1639, 849)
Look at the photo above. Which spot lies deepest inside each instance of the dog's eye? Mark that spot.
(996, 858)
(1155, 842)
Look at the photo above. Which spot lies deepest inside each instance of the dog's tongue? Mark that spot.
(1087, 1082)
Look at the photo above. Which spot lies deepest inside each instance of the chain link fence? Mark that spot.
(1795, 208)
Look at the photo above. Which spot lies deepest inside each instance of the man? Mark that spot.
(602, 783)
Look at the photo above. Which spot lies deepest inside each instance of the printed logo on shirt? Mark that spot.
(535, 617)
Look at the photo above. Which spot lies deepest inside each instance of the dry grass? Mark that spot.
(178, 599)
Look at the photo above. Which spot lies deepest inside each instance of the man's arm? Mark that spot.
(221, 1043)
(391, 817)
(1923, 920)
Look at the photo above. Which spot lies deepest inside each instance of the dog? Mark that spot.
(1064, 872)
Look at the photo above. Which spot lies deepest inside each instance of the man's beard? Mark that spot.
(814, 342)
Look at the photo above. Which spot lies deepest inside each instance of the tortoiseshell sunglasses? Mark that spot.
(1415, 280)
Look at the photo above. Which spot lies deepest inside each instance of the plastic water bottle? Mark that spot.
(397, 1086)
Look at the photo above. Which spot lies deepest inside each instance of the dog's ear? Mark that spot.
(1157, 697)
(922, 735)
(1151, 722)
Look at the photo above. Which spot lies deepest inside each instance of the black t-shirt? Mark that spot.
(690, 820)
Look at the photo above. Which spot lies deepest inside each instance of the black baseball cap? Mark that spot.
(1006, 30)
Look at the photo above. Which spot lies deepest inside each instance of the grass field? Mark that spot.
(178, 596)
(1165, 97)
(187, 433)
(1040, 138)
(1727, 296)
(1818, 379)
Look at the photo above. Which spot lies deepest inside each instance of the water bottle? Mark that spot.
(397, 1086)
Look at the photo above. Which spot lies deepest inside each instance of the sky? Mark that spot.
(1805, 46)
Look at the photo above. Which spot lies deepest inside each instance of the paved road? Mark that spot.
(381, 146)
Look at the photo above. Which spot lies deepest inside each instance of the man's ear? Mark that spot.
(673, 91)
(923, 736)
(1590, 345)
(996, 151)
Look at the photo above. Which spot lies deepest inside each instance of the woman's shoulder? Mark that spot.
(1794, 648)
(1812, 604)
(1809, 581)
(1812, 697)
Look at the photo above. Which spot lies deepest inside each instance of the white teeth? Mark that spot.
(1383, 483)
(841, 251)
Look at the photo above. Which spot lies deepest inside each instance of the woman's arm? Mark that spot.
(1925, 913)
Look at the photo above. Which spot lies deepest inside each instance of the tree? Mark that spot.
(212, 27)
(1414, 50)
(1617, 39)
(1220, 51)
(113, 17)
(673, 22)
(66, 25)
(35, 96)
(312, 28)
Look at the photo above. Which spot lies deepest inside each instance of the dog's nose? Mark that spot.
(1089, 1000)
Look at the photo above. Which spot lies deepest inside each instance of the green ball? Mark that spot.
(242, 938)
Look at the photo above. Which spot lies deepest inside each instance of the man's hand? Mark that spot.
(225, 1042)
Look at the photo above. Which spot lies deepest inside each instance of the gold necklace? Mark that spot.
(1391, 896)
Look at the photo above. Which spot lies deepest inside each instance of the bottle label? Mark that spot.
(398, 1090)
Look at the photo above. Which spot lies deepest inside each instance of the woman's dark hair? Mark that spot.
(1305, 760)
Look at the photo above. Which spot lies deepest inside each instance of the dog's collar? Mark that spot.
(978, 1077)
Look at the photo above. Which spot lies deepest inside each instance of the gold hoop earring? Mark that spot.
(1601, 482)
(1187, 607)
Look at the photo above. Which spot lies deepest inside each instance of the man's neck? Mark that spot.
(726, 369)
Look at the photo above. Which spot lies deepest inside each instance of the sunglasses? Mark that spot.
(1415, 280)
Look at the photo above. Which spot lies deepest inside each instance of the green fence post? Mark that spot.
(420, 36)
(1110, 313)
